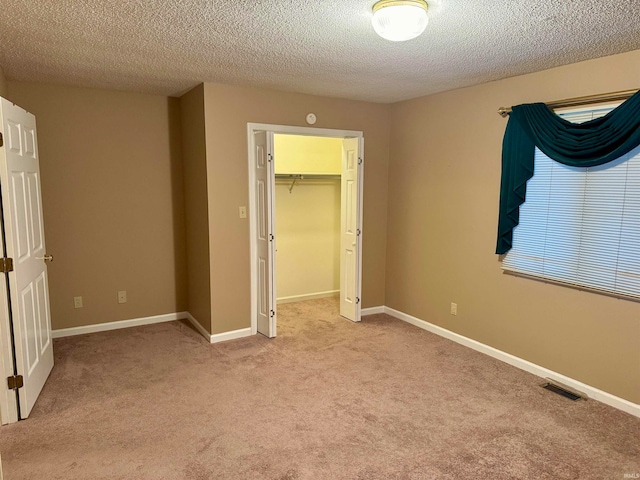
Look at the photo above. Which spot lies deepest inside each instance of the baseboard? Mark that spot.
(218, 337)
(198, 327)
(372, 311)
(591, 392)
(103, 327)
(136, 322)
(232, 335)
(310, 296)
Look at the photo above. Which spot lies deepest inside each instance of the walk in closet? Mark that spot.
(307, 216)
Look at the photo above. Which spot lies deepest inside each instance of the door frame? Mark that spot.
(8, 398)
(253, 247)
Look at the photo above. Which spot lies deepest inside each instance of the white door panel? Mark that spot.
(24, 236)
(349, 231)
(264, 188)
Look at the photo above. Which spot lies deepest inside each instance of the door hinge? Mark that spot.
(272, 314)
(360, 160)
(357, 300)
(6, 265)
(1, 140)
(271, 237)
(269, 157)
(358, 232)
(15, 382)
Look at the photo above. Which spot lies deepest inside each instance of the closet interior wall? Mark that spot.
(307, 198)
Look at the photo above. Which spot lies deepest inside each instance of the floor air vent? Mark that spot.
(563, 390)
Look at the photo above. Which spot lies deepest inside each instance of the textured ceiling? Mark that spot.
(324, 47)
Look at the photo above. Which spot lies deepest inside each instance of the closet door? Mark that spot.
(264, 193)
(350, 232)
(24, 242)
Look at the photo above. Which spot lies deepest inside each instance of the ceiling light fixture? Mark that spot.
(400, 20)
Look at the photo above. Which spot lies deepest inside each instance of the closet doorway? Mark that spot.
(305, 212)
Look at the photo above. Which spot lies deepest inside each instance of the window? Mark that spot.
(581, 226)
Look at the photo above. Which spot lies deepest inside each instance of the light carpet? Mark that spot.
(327, 399)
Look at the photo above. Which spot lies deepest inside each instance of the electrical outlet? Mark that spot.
(122, 296)
(243, 212)
(77, 302)
(454, 308)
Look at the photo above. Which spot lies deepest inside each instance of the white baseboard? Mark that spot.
(372, 311)
(136, 322)
(198, 327)
(218, 337)
(591, 392)
(232, 335)
(103, 327)
(310, 296)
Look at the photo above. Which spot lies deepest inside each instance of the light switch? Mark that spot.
(243, 212)
(122, 296)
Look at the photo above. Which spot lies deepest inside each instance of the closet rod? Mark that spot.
(308, 176)
(301, 176)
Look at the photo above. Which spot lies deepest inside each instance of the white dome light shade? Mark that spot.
(400, 20)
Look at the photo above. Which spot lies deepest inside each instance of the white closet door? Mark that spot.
(264, 194)
(24, 236)
(349, 232)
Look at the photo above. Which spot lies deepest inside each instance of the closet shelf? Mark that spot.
(295, 177)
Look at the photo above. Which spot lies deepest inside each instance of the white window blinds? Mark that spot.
(581, 226)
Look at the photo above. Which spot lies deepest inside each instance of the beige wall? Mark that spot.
(196, 208)
(113, 201)
(3, 84)
(228, 109)
(444, 178)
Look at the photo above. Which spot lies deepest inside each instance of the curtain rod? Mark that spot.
(588, 100)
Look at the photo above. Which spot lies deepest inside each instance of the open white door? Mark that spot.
(24, 243)
(350, 231)
(264, 189)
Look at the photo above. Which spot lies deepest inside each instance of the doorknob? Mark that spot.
(46, 258)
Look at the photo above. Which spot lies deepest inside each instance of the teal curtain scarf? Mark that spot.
(578, 145)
